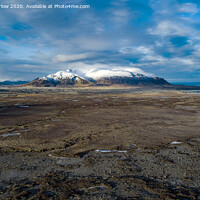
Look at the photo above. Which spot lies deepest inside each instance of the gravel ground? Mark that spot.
(91, 144)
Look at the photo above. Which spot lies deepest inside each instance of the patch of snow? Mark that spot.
(21, 106)
(59, 157)
(101, 187)
(175, 142)
(96, 187)
(110, 151)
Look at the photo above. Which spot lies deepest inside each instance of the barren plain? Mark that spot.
(99, 143)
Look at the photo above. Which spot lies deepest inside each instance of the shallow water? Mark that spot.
(10, 134)
(110, 151)
(193, 91)
(22, 106)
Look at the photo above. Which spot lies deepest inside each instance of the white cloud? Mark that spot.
(92, 43)
(84, 68)
(136, 50)
(121, 17)
(189, 8)
(73, 57)
(165, 28)
(135, 70)
(145, 53)
(184, 61)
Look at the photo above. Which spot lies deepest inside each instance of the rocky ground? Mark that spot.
(105, 143)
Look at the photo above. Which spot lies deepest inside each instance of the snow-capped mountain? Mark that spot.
(129, 76)
(60, 78)
(68, 74)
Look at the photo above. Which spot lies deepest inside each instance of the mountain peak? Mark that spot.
(60, 75)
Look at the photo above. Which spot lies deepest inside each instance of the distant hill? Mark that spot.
(13, 82)
(187, 83)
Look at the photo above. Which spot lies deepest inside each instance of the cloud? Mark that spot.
(74, 57)
(141, 50)
(121, 16)
(189, 8)
(166, 28)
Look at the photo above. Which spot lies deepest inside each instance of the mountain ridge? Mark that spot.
(99, 77)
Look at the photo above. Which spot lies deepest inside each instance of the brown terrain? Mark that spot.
(99, 143)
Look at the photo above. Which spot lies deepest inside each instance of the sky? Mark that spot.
(158, 36)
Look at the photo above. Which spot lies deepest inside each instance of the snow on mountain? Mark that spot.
(68, 74)
(110, 73)
(105, 73)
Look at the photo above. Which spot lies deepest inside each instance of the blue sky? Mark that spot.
(159, 36)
